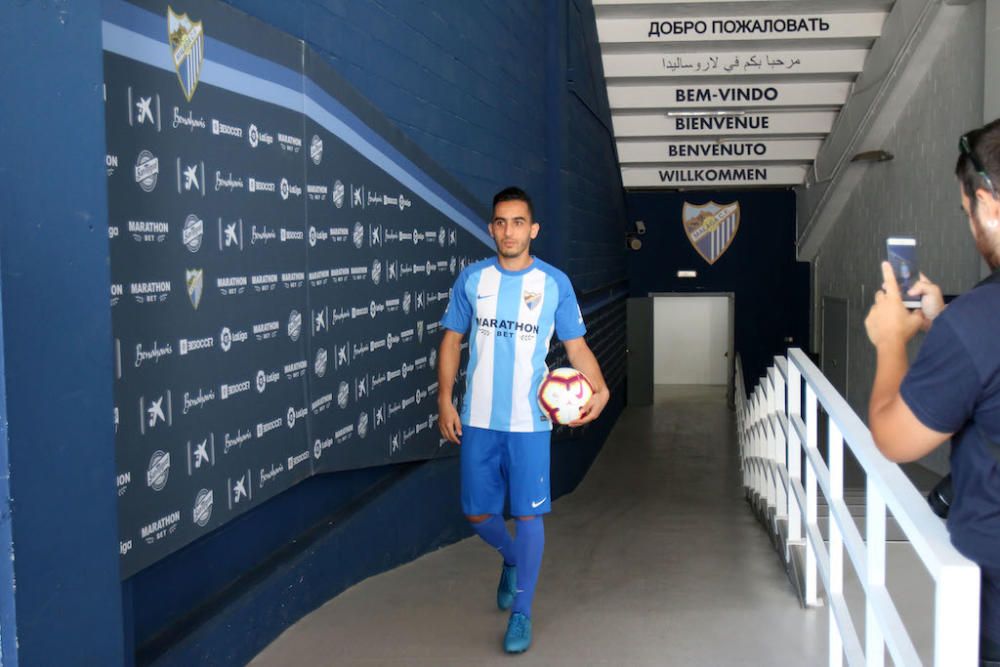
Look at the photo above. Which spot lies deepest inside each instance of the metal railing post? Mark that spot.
(810, 574)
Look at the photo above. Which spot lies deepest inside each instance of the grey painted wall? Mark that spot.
(915, 194)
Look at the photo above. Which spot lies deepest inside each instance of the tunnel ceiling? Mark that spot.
(729, 93)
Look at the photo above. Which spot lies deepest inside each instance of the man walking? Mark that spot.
(509, 305)
(953, 388)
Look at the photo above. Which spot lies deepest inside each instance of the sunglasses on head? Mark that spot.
(966, 149)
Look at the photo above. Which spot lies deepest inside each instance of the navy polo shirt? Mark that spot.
(953, 386)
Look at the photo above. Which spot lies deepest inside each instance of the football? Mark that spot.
(562, 393)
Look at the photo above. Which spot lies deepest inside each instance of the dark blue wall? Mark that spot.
(771, 287)
(57, 371)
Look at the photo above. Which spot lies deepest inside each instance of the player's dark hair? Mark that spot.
(979, 154)
(514, 194)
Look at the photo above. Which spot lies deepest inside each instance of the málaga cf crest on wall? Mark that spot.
(711, 227)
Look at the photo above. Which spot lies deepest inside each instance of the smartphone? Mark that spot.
(902, 255)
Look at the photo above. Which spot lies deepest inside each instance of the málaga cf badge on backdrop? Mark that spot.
(711, 227)
(187, 49)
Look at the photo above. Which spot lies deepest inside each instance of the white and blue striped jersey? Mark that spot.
(510, 317)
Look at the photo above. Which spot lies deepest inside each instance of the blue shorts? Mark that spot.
(493, 459)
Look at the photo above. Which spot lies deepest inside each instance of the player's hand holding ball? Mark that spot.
(567, 397)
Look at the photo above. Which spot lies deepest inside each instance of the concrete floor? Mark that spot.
(654, 560)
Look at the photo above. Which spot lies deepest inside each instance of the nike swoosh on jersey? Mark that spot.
(535, 505)
(485, 296)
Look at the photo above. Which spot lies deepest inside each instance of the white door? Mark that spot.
(691, 340)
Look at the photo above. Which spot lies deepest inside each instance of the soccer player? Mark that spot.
(509, 305)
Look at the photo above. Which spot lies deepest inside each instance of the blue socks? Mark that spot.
(528, 547)
(494, 533)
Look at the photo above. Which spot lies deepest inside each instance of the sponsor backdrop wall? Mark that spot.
(280, 248)
(758, 265)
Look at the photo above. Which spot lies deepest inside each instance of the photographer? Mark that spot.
(952, 390)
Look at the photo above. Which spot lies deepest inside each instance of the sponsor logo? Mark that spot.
(407, 302)
(343, 434)
(157, 530)
(265, 282)
(357, 196)
(432, 358)
(192, 233)
(290, 142)
(264, 428)
(220, 128)
(256, 137)
(256, 185)
(155, 411)
(227, 182)
(194, 279)
(266, 330)
(343, 355)
(293, 279)
(261, 235)
(188, 121)
(190, 177)
(404, 203)
(124, 547)
(239, 489)
(227, 337)
(148, 231)
(440, 237)
(316, 149)
(158, 470)
(187, 50)
(343, 394)
(294, 327)
(287, 189)
(147, 170)
(363, 425)
(338, 194)
(154, 354)
(234, 440)
(358, 235)
(380, 416)
(231, 235)
(149, 292)
(392, 271)
(229, 390)
(319, 319)
(202, 512)
(316, 192)
(375, 236)
(320, 446)
(143, 110)
(322, 403)
(319, 365)
(394, 443)
(296, 369)
(264, 378)
(267, 475)
(451, 265)
(122, 482)
(188, 345)
(231, 285)
(294, 415)
(361, 388)
(452, 237)
(202, 454)
(297, 459)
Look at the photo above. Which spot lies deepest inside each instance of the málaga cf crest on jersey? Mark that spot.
(187, 49)
(711, 227)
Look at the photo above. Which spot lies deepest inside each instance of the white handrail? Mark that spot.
(774, 432)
